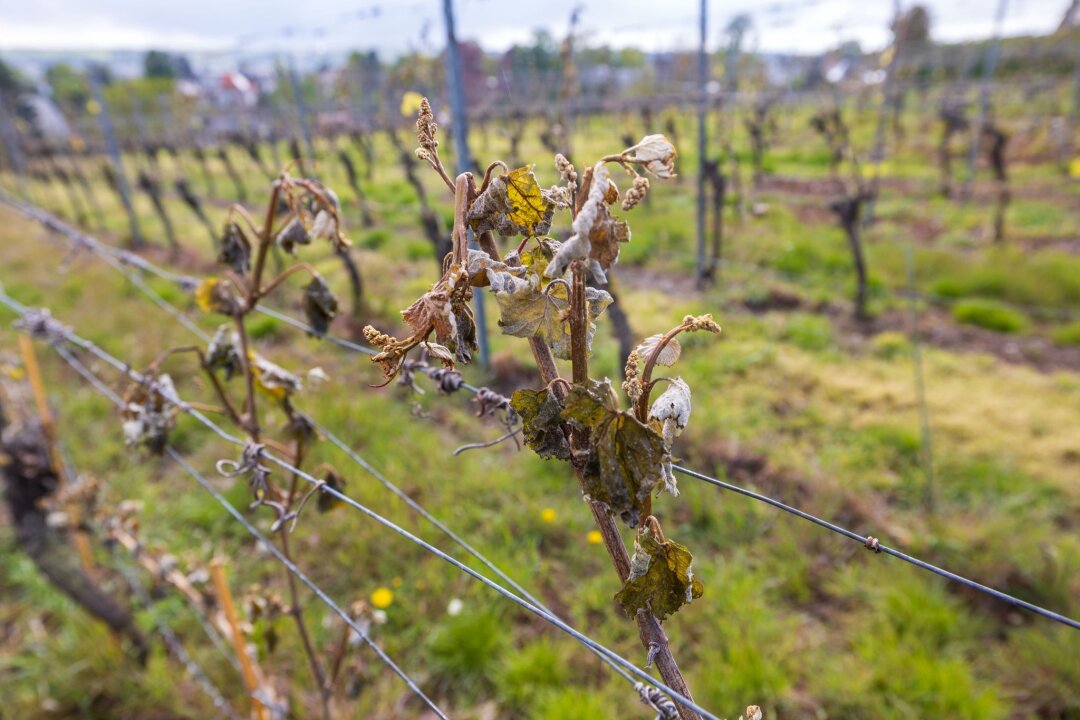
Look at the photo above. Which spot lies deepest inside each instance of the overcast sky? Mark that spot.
(395, 26)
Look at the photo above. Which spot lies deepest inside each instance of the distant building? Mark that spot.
(235, 89)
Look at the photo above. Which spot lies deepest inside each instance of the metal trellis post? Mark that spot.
(460, 131)
(703, 274)
(113, 149)
(989, 65)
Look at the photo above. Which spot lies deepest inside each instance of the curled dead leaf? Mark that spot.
(319, 305)
(661, 578)
(668, 355)
(235, 250)
(596, 233)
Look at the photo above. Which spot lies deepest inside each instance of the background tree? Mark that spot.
(69, 86)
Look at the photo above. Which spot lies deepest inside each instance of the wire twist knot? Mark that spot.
(658, 701)
(39, 323)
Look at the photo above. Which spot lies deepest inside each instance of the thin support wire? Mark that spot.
(85, 372)
(172, 642)
(348, 345)
(289, 565)
(67, 335)
(64, 334)
(873, 544)
(153, 294)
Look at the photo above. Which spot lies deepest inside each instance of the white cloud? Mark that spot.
(101, 35)
(779, 25)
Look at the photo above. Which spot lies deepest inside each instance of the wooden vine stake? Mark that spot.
(224, 596)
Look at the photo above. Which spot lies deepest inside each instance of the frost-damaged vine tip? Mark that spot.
(622, 457)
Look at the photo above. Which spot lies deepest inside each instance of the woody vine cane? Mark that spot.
(621, 458)
(311, 211)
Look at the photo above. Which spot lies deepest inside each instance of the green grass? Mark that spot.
(989, 315)
(1068, 334)
(793, 619)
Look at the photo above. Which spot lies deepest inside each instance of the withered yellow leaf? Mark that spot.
(529, 205)
(512, 204)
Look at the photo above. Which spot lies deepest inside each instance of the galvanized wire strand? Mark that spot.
(341, 445)
(301, 325)
(292, 568)
(88, 375)
(873, 544)
(925, 428)
(389, 524)
(460, 541)
(90, 347)
(172, 310)
(126, 370)
(128, 258)
(172, 642)
(108, 392)
(869, 542)
(630, 668)
(156, 297)
(81, 239)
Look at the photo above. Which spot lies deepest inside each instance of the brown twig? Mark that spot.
(265, 239)
(461, 206)
(641, 410)
(301, 627)
(579, 329)
(251, 418)
(652, 635)
(285, 274)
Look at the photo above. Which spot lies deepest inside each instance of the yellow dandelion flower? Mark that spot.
(548, 515)
(882, 170)
(382, 598)
(594, 537)
(1074, 168)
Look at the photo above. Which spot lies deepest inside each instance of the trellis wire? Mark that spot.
(173, 643)
(847, 533)
(104, 250)
(926, 430)
(172, 310)
(291, 567)
(889, 551)
(341, 445)
(873, 544)
(94, 380)
(90, 377)
(61, 334)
